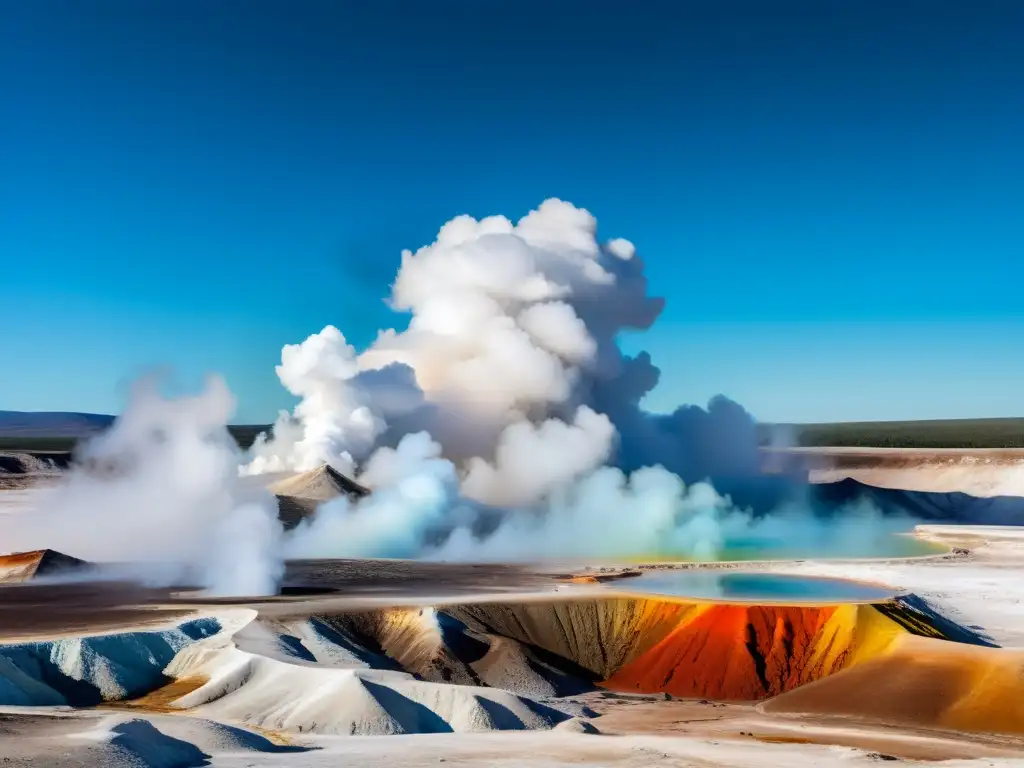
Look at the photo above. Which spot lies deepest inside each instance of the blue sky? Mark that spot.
(829, 194)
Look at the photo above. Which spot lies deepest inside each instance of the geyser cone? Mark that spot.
(322, 484)
(506, 390)
(299, 496)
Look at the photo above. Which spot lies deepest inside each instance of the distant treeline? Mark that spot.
(245, 434)
(945, 433)
(941, 433)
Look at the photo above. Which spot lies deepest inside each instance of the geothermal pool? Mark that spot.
(764, 548)
(753, 587)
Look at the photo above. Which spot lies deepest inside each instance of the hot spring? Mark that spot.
(734, 587)
(755, 548)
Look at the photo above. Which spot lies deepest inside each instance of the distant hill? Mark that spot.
(60, 430)
(52, 423)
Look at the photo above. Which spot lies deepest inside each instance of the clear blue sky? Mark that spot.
(829, 193)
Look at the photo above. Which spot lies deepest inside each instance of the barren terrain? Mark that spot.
(408, 663)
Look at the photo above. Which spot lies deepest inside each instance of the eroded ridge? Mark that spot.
(726, 652)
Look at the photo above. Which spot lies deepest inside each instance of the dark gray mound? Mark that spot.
(33, 463)
(922, 505)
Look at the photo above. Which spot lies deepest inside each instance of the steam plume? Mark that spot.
(504, 422)
(507, 414)
(513, 329)
(160, 492)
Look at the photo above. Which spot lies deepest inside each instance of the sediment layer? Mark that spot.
(896, 662)
(726, 652)
(923, 683)
(25, 566)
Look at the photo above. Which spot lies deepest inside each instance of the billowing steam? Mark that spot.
(419, 511)
(505, 422)
(510, 363)
(160, 493)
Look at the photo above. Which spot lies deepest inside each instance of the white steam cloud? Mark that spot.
(416, 490)
(334, 419)
(505, 423)
(512, 328)
(160, 493)
(419, 511)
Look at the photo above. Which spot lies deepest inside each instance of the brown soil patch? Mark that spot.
(923, 683)
(162, 699)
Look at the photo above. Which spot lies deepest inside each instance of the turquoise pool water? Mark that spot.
(767, 548)
(751, 587)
